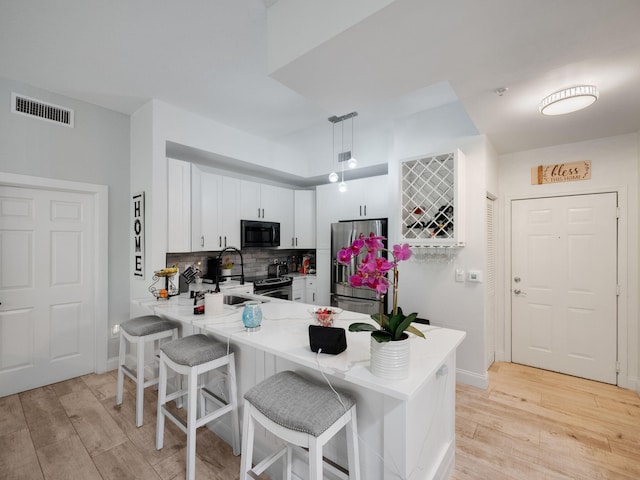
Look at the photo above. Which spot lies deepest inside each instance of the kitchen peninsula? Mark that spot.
(406, 428)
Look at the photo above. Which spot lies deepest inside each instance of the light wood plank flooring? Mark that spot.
(535, 424)
(529, 424)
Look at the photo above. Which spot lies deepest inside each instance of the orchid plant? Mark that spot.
(373, 272)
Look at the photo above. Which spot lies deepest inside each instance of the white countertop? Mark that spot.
(284, 332)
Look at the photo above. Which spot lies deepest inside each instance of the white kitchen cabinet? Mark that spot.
(299, 289)
(311, 293)
(304, 219)
(178, 206)
(271, 204)
(366, 198)
(215, 212)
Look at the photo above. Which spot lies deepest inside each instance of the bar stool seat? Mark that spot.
(193, 356)
(138, 331)
(302, 414)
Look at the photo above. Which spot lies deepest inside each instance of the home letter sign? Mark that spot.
(138, 235)
(561, 172)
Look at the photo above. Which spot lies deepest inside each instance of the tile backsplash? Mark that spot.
(255, 260)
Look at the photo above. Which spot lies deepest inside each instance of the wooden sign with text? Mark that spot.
(561, 172)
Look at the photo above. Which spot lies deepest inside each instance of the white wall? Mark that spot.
(614, 162)
(95, 151)
(430, 288)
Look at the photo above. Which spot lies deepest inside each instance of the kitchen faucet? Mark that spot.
(219, 257)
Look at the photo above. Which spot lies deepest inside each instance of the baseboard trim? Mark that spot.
(472, 378)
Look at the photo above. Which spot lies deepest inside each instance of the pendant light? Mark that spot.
(343, 186)
(333, 176)
(351, 162)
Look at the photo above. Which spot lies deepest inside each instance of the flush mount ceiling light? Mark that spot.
(350, 160)
(569, 100)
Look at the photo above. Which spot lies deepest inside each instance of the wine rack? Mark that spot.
(432, 208)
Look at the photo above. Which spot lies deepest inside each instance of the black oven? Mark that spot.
(259, 234)
(277, 287)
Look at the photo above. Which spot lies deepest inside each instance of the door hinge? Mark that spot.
(617, 290)
(617, 367)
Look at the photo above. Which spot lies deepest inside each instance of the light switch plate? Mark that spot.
(459, 275)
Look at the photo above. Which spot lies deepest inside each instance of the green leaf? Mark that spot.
(381, 336)
(406, 322)
(415, 331)
(362, 327)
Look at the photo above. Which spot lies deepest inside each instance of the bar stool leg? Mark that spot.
(353, 453)
(140, 381)
(121, 359)
(233, 393)
(289, 460)
(315, 460)
(247, 442)
(162, 395)
(192, 417)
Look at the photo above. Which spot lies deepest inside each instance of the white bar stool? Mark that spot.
(192, 356)
(303, 414)
(138, 331)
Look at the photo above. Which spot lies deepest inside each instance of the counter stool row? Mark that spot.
(297, 411)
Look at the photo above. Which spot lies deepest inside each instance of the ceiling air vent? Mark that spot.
(344, 156)
(43, 110)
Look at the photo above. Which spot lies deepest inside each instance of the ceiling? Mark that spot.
(210, 57)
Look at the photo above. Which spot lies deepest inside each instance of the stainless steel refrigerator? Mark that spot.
(343, 295)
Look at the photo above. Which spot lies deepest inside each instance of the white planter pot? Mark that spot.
(390, 359)
(225, 272)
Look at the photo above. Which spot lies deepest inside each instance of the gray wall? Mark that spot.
(95, 151)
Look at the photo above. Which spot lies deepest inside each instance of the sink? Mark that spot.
(239, 300)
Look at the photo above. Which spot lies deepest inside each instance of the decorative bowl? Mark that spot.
(325, 315)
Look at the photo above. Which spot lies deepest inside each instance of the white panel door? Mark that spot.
(564, 284)
(46, 287)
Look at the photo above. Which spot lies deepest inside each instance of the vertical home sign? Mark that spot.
(138, 235)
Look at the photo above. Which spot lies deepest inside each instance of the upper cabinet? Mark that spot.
(366, 198)
(178, 206)
(304, 219)
(432, 200)
(271, 204)
(215, 212)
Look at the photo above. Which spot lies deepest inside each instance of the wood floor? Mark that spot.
(529, 424)
(535, 424)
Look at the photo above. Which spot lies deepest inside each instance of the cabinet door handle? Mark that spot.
(258, 212)
(225, 241)
(220, 242)
(293, 242)
(296, 241)
(202, 240)
(360, 210)
(365, 210)
(263, 213)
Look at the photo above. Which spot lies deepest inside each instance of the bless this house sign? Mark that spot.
(138, 235)
(561, 172)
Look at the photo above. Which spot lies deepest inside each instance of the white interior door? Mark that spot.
(46, 287)
(564, 284)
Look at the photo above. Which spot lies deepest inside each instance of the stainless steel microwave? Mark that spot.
(259, 234)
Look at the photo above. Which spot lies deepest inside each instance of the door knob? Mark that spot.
(517, 291)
